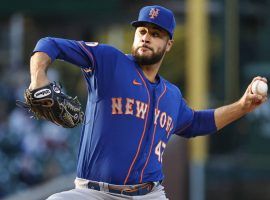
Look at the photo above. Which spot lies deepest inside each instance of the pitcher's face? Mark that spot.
(150, 44)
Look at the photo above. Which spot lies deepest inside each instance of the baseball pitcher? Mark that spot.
(131, 110)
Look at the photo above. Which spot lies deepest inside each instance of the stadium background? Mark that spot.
(38, 158)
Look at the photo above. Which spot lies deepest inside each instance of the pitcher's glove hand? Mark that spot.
(50, 103)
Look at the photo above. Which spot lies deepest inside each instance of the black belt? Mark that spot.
(136, 190)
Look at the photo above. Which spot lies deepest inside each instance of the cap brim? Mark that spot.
(141, 23)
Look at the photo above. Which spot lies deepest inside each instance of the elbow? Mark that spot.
(41, 59)
(44, 53)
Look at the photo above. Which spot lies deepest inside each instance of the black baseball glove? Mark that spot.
(50, 103)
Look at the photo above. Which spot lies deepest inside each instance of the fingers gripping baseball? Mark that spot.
(252, 99)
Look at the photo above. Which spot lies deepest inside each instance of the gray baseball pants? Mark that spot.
(82, 193)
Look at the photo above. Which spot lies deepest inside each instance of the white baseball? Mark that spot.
(259, 87)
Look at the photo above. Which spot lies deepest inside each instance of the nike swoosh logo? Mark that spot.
(136, 82)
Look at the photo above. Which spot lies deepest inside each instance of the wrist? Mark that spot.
(244, 108)
(38, 79)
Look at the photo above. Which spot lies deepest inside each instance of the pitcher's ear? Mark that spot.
(169, 45)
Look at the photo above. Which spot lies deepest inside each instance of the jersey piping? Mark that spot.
(153, 137)
(144, 129)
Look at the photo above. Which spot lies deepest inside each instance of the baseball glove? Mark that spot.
(50, 103)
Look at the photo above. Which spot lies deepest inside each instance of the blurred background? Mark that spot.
(221, 45)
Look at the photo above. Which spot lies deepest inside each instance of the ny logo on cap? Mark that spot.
(153, 13)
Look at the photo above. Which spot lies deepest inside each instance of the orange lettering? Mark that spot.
(129, 104)
(141, 109)
(157, 112)
(163, 119)
(117, 106)
(169, 123)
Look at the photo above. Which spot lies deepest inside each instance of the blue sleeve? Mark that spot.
(71, 51)
(184, 118)
(98, 61)
(202, 123)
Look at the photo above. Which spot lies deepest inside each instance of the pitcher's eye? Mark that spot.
(155, 34)
(142, 32)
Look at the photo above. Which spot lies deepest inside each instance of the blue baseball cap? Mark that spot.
(157, 15)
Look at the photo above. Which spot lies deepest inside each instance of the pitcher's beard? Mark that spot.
(147, 60)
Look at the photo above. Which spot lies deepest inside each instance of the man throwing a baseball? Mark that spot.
(131, 111)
